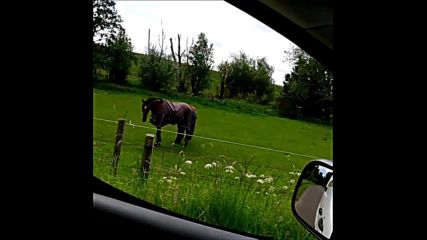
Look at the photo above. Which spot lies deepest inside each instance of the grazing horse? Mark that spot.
(165, 112)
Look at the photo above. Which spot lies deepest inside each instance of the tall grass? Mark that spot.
(218, 192)
(212, 194)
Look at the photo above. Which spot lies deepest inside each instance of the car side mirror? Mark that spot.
(312, 203)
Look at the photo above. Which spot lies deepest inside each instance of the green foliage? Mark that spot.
(100, 60)
(224, 69)
(309, 85)
(157, 74)
(286, 107)
(157, 70)
(121, 58)
(106, 21)
(201, 60)
(249, 78)
(112, 51)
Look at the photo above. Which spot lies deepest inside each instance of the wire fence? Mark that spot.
(217, 140)
(191, 156)
(133, 170)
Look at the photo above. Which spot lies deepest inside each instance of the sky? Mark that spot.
(227, 27)
(324, 170)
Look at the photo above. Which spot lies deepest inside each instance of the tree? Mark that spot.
(250, 79)
(201, 59)
(180, 68)
(224, 69)
(106, 21)
(309, 85)
(121, 57)
(157, 70)
(241, 75)
(106, 28)
(263, 81)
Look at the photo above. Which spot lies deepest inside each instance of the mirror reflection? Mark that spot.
(313, 202)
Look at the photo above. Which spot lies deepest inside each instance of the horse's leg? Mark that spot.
(190, 132)
(158, 137)
(180, 135)
(187, 137)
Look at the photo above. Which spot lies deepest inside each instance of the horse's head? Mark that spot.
(153, 104)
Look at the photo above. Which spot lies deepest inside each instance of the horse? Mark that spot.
(164, 112)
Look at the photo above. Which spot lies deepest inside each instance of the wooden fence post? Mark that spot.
(146, 156)
(118, 144)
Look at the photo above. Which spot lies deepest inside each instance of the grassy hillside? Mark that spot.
(234, 178)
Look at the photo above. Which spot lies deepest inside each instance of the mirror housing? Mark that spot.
(312, 200)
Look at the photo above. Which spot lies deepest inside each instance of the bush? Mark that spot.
(157, 74)
(286, 107)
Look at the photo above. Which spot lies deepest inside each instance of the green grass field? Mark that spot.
(181, 179)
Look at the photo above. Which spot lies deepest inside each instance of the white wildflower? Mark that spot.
(188, 162)
(182, 173)
(229, 167)
(237, 178)
(291, 173)
(262, 175)
(229, 171)
(257, 192)
(165, 178)
(271, 189)
(292, 180)
(250, 175)
(169, 181)
(285, 187)
(207, 166)
(260, 181)
(214, 164)
(268, 179)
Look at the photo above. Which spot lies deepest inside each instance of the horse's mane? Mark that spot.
(152, 99)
